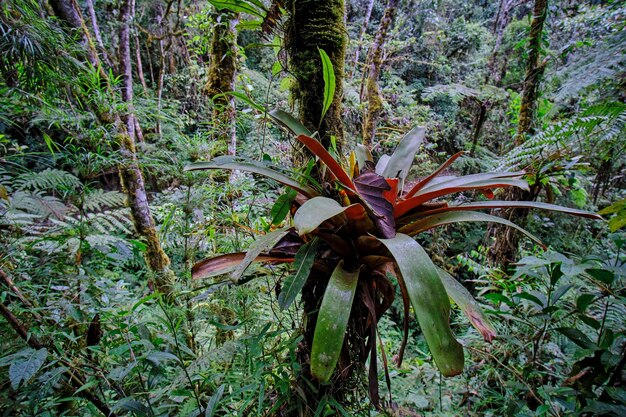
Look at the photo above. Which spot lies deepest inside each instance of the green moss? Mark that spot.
(313, 25)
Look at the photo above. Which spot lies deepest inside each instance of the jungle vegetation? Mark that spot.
(312, 208)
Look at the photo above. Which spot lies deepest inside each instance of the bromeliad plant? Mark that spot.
(351, 241)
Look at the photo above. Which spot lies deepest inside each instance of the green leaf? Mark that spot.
(602, 275)
(332, 322)
(238, 6)
(293, 284)
(458, 217)
(262, 244)
(134, 406)
(256, 167)
(315, 212)
(241, 96)
(281, 207)
(429, 300)
(577, 337)
(25, 364)
(289, 122)
(470, 307)
(211, 406)
(401, 159)
(329, 82)
(583, 301)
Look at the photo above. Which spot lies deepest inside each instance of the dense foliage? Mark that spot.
(109, 309)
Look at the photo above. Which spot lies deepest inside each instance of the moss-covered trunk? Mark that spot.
(374, 64)
(125, 127)
(221, 79)
(312, 25)
(506, 243)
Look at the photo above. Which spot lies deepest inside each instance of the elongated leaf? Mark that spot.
(438, 183)
(429, 178)
(256, 167)
(332, 322)
(402, 158)
(372, 188)
(293, 284)
(241, 96)
(462, 298)
(318, 150)
(457, 217)
(315, 212)
(363, 155)
(211, 406)
(443, 189)
(429, 300)
(494, 204)
(238, 6)
(224, 264)
(289, 122)
(25, 364)
(281, 207)
(329, 82)
(262, 244)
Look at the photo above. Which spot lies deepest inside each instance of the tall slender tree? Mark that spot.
(221, 77)
(131, 176)
(374, 65)
(506, 241)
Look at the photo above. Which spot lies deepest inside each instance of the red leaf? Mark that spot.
(318, 150)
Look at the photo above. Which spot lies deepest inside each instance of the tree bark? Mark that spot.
(506, 243)
(222, 75)
(375, 63)
(312, 25)
(96, 32)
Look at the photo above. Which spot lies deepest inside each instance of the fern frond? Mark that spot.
(39, 204)
(98, 199)
(602, 123)
(47, 180)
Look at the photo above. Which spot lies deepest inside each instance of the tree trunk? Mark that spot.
(222, 74)
(375, 63)
(96, 32)
(130, 173)
(503, 18)
(507, 241)
(359, 45)
(312, 25)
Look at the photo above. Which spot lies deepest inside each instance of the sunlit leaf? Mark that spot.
(429, 300)
(332, 322)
